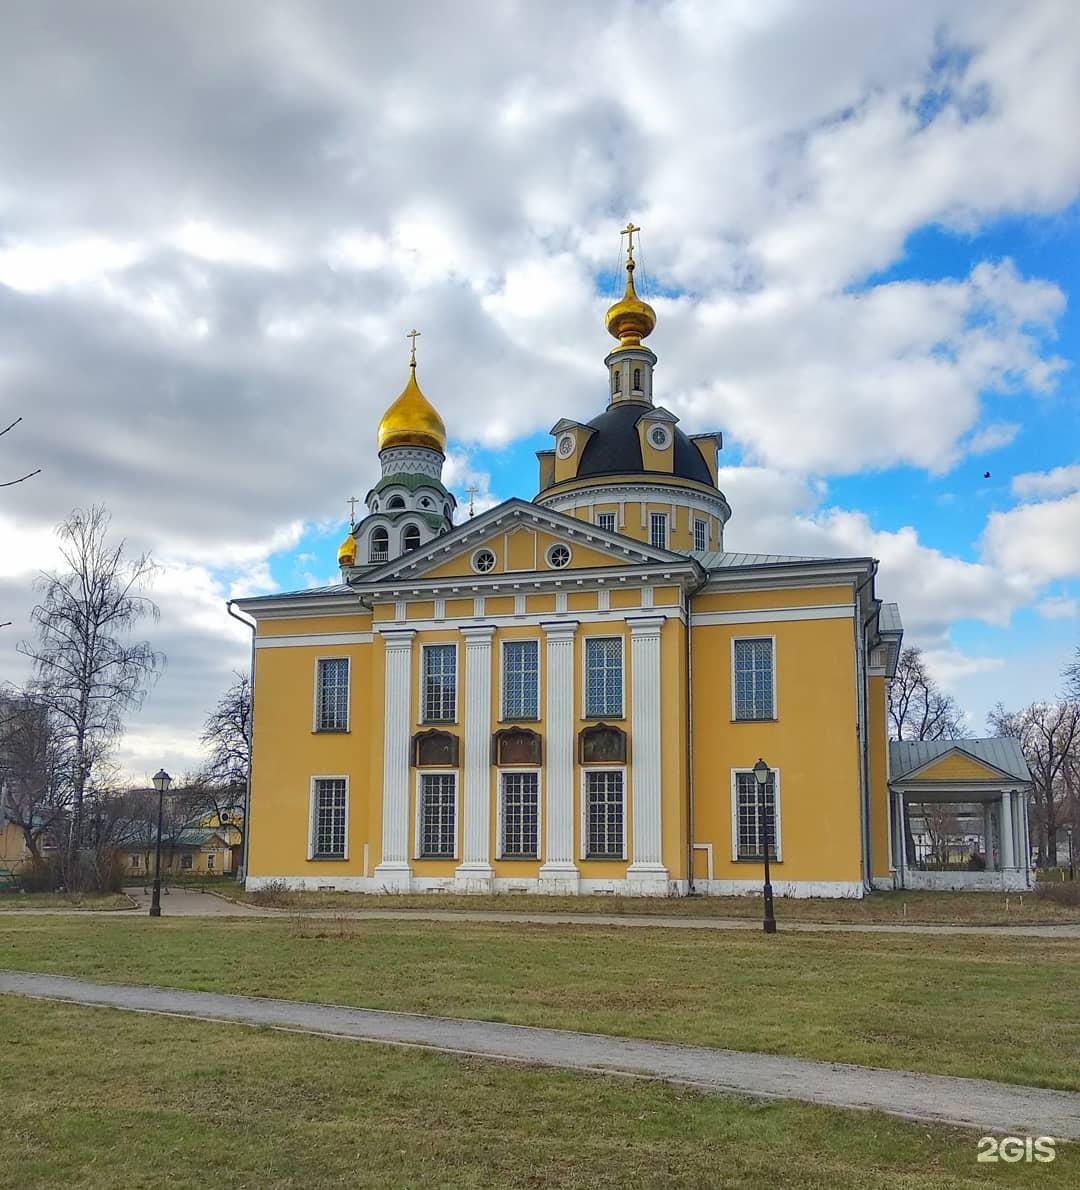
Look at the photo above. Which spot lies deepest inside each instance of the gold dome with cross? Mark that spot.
(412, 420)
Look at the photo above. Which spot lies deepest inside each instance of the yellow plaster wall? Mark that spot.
(957, 767)
(287, 753)
(358, 621)
(581, 601)
(707, 447)
(581, 557)
(730, 601)
(13, 849)
(625, 597)
(420, 610)
(878, 739)
(537, 604)
(546, 460)
(813, 743)
(653, 459)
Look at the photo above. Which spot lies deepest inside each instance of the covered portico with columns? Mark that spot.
(959, 815)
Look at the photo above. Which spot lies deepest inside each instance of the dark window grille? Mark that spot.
(329, 840)
(605, 815)
(520, 814)
(437, 815)
(332, 698)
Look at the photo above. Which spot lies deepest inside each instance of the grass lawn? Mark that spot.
(20, 901)
(895, 908)
(1000, 1008)
(177, 1103)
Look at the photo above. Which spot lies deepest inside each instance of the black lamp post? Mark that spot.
(761, 776)
(162, 781)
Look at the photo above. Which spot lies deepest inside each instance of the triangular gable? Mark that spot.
(955, 765)
(519, 533)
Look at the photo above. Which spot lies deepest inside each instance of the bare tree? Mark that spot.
(1049, 736)
(918, 708)
(32, 792)
(227, 737)
(10, 483)
(88, 671)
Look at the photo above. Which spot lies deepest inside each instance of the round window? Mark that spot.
(483, 561)
(659, 437)
(558, 556)
(566, 446)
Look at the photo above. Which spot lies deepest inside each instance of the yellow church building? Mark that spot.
(569, 695)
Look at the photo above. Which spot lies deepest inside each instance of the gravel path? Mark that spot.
(962, 1102)
(183, 902)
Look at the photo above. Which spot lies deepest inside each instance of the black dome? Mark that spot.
(615, 447)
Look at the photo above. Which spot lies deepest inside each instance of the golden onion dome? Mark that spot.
(630, 319)
(412, 420)
(346, 554)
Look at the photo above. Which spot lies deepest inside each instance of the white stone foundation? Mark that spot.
(567, 886)
(1010, 880)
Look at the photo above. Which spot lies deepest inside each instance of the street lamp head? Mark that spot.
(761, 772)
(162, 781)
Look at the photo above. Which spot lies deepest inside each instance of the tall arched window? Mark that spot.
(637, 379)
(410, 539)
(378, 546)
(618, 382)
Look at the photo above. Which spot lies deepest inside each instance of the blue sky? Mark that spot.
(861, 230)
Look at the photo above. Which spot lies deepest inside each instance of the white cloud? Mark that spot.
(1058, 607)
(1058, 482)
(1039, 541)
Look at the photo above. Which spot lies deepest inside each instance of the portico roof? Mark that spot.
(907, 757)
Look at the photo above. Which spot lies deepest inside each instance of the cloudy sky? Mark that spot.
(861, 236)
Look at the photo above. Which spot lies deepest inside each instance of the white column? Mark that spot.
(900, 852)
(988, 835)
(559, 873)
(475, 873)
(647, 873)
(393, 872)
(1008, 850)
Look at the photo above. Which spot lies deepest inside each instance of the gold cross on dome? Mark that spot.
(414, 335)
(352, 502)
(628, 231)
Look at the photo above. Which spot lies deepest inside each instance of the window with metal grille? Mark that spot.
(604, 677)
(520, 814)
(332, 695)
(658, 530)
(328, 841)
(438, 835)
(606, 520)
(604, 815)
(521, 679)
(440, 683)
(701, 535)
(754, 695)
(748, 816)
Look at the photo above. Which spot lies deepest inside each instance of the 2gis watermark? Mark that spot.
(1013, 1149)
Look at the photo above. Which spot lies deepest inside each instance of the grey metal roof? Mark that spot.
(724, 560)
(905, 756)
(333, 589)
(889, 618)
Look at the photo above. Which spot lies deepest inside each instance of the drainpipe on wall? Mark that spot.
(690, 827)
(860, 720)
(249, 624)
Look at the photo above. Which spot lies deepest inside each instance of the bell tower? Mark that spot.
(409, 506)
